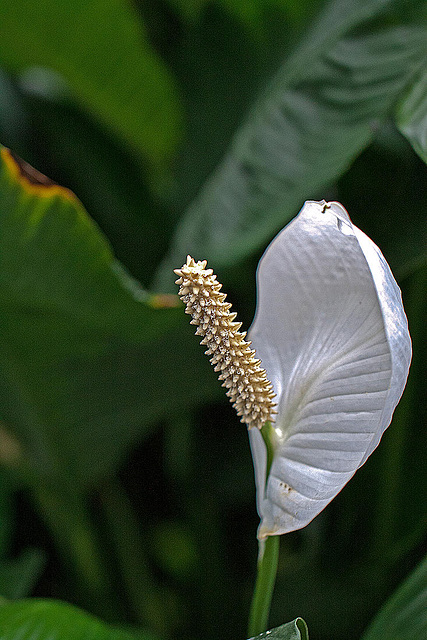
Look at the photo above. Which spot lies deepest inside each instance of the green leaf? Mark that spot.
(295, 630)
(412, 116)
(404, 616)
(54, 257)
(317, 115)
(103, 52)
(88, 358)
(53, 620)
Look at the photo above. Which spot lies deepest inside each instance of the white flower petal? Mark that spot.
(332, 334)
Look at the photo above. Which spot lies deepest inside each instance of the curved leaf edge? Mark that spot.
(295, 630)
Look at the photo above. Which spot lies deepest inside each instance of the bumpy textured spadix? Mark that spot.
(332, 334)
(246, 382)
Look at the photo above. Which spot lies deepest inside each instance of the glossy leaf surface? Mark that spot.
(315, 117)
(295, 630)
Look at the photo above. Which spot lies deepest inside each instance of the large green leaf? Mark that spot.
(88, 359)
(295, 630)
(412, 116)
(54, 257)
(404, 616)
(318, 113)
(53, 620)
(103, 52)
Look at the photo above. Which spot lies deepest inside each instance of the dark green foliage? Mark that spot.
(404, 616)
(126, 482)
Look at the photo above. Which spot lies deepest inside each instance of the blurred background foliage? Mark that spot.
(126, 484)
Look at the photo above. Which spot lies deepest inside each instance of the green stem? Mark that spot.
(268, 558)
(266, 576)
(268, 433)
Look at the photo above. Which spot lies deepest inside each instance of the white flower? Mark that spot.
(332, 335)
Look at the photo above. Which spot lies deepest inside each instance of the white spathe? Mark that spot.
(332, 334)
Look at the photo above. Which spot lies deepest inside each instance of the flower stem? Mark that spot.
(268, 435)
(268, 558)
